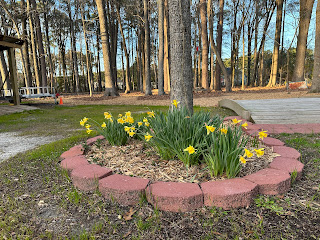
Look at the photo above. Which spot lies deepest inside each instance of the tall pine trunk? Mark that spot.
(161, 48)
(316, 67)
(204, 40)
(217, 81)
(147, 47)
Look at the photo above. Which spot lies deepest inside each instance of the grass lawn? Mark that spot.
(38, 200)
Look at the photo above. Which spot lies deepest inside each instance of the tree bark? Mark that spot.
(110, 89)
(305, 15)
(161, 48)
(147, 47)
(40, 44)
(166, 66)
(316, 67)
(124, 45)
(204, 40)
(275, 55)
(180, 53)
(217, 76)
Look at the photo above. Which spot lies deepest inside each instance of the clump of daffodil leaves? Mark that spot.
(176, 134)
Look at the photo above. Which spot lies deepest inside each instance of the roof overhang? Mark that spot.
(7, 42)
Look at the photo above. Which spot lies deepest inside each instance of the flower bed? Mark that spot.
(207, 149)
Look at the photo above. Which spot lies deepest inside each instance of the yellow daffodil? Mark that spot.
(111, 120)
(263, 134)
(120, 120)
(88, 126)
(190, 150)
(247, 153)
(132, 129)
(151, 114)
(107, 115)
(224, 130)
(242, 160)
(245, 125)
(89, 130)
(127, 129)
(145, 120)
(131, 133)
(236, 121)
(128, 114)
(140, 124)
(147, 124)
(85, 119)
(259, 152)
(120, 115)
(103, 125)
(130, 119)
(82, 123)
(148, 137)
(175, 103)
(210, 129)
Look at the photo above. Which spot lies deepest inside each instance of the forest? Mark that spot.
(115, 46)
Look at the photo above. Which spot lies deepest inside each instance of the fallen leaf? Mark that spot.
(128, 215)
(127, 234)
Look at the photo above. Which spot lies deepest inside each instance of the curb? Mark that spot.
(184, 197)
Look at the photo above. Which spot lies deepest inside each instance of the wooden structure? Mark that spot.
(276, 111)
(9, 43)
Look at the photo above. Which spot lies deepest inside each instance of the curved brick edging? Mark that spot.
(182, 197)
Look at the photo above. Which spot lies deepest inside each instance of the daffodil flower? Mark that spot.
(120, 120)
(175, 103)
(107, 115)
(259, 152)
(131, 133)
(210, 129)
(145, 120)
(236, 121)
(242, 160)
(147, 124)
(140, 124)
(190, 150)
(247, 153)
(85, 119)
(103, 125)
(82, 122)
(151, 114)
(127, 129)
(128, 114)
(130, 119)
(88, 126)
(111, 120)
(120, 115)
(224, 130)
(245, 125)
(148, 137)
(132, 129)
(89, 130)
(263, 134)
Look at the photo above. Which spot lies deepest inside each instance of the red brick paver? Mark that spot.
(230, 193)
(288, 164)
(175, 196)
(287, 152)
(91, 141)
(72, 152)
(123, 189)
(271, 181)
(71, 163)
(86, 177)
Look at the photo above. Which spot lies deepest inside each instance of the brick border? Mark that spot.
(183, 197)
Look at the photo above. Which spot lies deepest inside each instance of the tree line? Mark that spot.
(112, 45)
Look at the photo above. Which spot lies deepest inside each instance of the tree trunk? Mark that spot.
(204, 40)
(124, 45)
(161, 48)
(110, 89)
(243, 58)
(147, 47)
(275, 55)
(98, 61)
(255, 54)
(305, 15)
(33, 45)
(166, 66)
(180, 53)
(40, 44)
(210, 20)
(217, 76)
(4, 72)
(25, 47)
(316, 67)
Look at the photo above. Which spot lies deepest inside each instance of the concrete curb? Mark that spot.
(183, 197)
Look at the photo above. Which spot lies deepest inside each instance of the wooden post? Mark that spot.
(13, 76)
